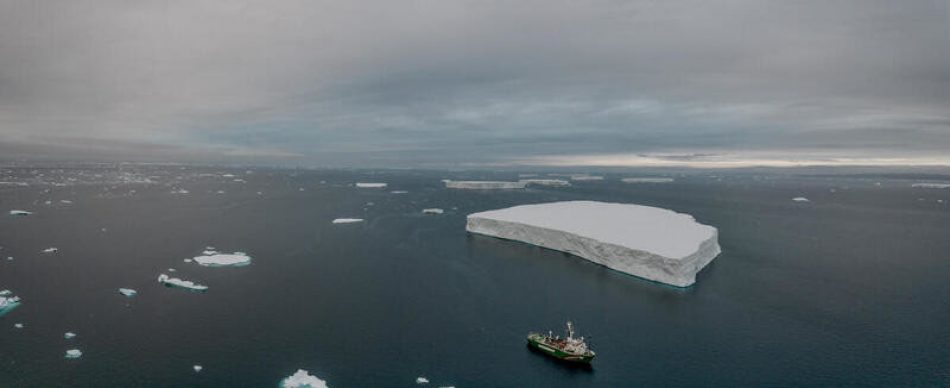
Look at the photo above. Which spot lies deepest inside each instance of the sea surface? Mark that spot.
(851, 288)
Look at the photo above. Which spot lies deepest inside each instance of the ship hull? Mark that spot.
(557, 353)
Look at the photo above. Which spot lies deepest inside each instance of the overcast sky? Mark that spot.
(457, 83)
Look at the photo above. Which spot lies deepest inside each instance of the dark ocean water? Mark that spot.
(850, 289)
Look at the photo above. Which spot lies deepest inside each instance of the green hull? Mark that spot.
(536, 341)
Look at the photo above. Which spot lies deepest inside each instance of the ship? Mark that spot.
(570, 348)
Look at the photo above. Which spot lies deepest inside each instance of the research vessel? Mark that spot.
(569, 349)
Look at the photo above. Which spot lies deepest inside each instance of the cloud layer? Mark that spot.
(470, 82)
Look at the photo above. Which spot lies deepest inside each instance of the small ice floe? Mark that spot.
(422, 380)
(197, 368)
(50, 250)
(227, 176)
(433, 210)
(931, 185)
(483, 185)
(65, 202)
(69, 335)
(9, 258)
(800, 199)
(179, 283)
(18, 325)
(586, 178)
(370, 185)
(399, 192)
(646, 180)
(347, 220)
(546, 182)
(239, 180)
(8, 302)
(172, 270)
(128, 292)
(301, 189)
(180, 191)
(215, 259)
(6, 293)
(302, 379)
(220, 191)
(73, 353)
(260, 193)
(187, 260)
(20, 213)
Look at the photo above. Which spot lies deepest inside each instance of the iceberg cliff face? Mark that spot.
(648, 242)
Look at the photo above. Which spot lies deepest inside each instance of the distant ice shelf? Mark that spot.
(649, 242)
(484, 185)
(302, 379)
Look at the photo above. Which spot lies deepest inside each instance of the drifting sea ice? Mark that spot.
(546, 182)
(800, 199)
(646, 180)
(483, 185)
(50, 250)
(128, 292)
(371, 185)
(347, 220)
(422, 380)
(18, 325)
(73, 353)
(586, 178)
(931, 185)
(302, 379)
(20, 213)
(433, 210)
(69, 335)
(8, 302)
(197, 368)
(179, 283)
(215, 259)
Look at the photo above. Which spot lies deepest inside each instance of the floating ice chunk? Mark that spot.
(800, 199)
(484, 185)
(370, 185)
(73, 353)
(69, 335)
(239, 180)
(227, 176)
(6, 293)
(65, 202)
(197, 368)
(9, 258)
(128, 292)
(50, 250)
(399, 192)
(433, 210)
(649, 242)
(8, 302)
(347, 220)
(546, 182)
(302, 379)
(20, 213)
(179, 283)
(236, 259)
(586, 178)
(172, 270)
(180, 191)
(18, 325)
(931, 185)
(188, 260)
(646, 180)
(422, 380)
(527, 175)
(220, 191)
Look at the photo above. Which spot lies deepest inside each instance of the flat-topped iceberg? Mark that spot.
(73, 353)
(546, 182)
(302, 379)
(215, 259)
(128, 292)
(371, 185)
(433, 210)
(20, 213)
(484, 185)
(800, 199)
(927, 185)
(646, 180)
(653, 243)
(586, 178)
(347, 220)
(179, 283)
(50, 250)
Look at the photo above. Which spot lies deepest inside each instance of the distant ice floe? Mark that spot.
(214, 259)
(800, 199)
(422, 380)
(433, 210)
(73, 353)
(371, 185)
(8, 302)
(179, 283)
(69, 335)
(197, 368)
(50, 250)
(302, 379)
(347, 220)
(931, 185)
(128, 292)
(586, 178)
(646, 180)
(20, 213)
(399, 192)
(546, 182)
(18, 325)
(180, 191)
(484, 185)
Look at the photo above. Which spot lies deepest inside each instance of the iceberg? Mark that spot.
(186, 284)
(128, 292)
(8, 302)
(800, 199)
(923, 185)
(69, 335)
(422, 380)
(586, 178)
(20, 213)
(646, 180)
(18, 325)
(50, 250)
(483, 185)
(73, 353)
(302, 379)
(546, 182)
(370, 185)
(649, 242)
(399, 192)
(215, 259)
(347, 220)
(433, 210)
(197, 368)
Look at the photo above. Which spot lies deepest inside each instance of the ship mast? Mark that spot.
(570, 330)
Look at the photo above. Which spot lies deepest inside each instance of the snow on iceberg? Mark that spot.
(370, 185)
(302, 379)
(800, 199)
(484, 185)
(652, 243)
(73, 353)
(433, 210)
(215, 259)
(128, 292)
(20, 213)
(546, 182)
(923, 185)
(179, 283)
(347, 220)
(646, 180)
